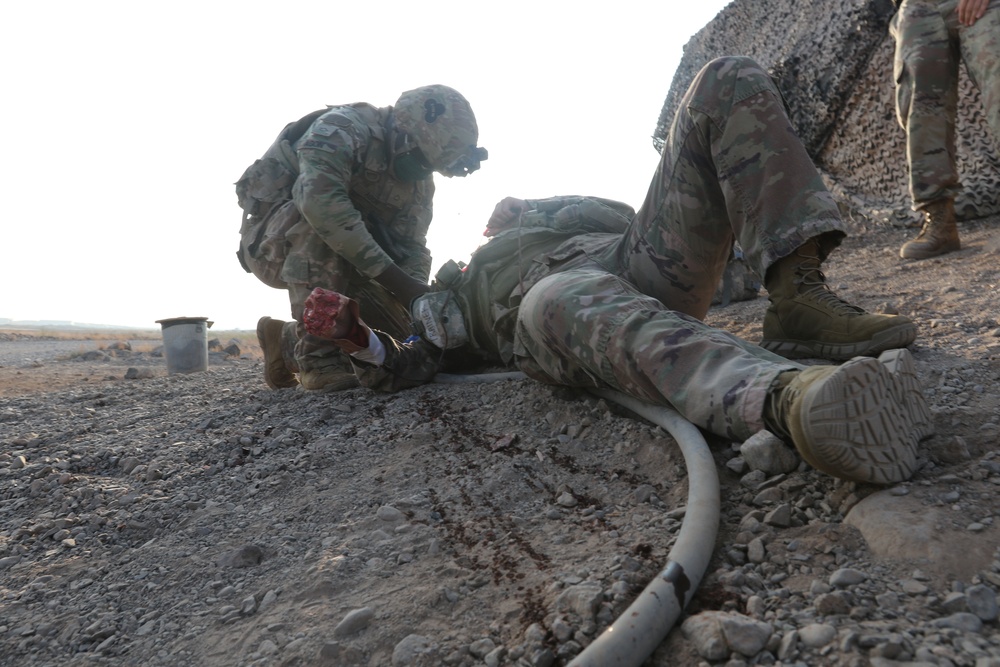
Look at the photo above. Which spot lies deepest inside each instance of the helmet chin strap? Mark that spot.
(398, 141)
(398, 145)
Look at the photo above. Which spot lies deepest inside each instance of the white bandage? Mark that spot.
(374, 353)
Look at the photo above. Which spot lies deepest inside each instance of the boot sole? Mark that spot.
(276, 374)
(900, 364)
(854, 425)
(327, 382)
(896, 337)
(911, 252)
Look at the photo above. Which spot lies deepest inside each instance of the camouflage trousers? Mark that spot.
(626, 311)
(732, 168)
(284, 252)
(930, 44)
(588, 328)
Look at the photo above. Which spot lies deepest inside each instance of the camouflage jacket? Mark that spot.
(335, 165)
(560, 233)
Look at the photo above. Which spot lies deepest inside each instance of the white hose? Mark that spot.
(647, 621)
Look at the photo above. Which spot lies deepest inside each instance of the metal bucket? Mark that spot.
(185, 344)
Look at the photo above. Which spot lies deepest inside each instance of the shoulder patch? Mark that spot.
(323, 129)
(336, 119)
(321, 145)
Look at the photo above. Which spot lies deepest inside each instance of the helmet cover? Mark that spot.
(441, 123)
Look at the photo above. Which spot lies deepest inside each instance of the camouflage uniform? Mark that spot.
(333, 214)
(622, 307)
(929, 43)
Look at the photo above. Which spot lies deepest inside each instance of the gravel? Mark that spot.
(205, 520)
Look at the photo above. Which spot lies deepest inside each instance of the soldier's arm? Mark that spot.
(404, 365)
(417, 258)
(413, 259)
(570, 213)
(322, 194)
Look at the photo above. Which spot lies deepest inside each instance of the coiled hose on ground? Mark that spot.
(639, 630)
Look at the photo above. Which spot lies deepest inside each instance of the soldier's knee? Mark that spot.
(734, 63)
(732, 79)
(557, 299)
(531, 310)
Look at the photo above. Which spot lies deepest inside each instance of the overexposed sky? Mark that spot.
(125, 124)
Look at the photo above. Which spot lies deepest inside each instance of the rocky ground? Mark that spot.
(202, 519)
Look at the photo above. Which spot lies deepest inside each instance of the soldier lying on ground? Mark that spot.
(580, 292)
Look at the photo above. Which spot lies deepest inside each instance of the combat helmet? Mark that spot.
(440, 122)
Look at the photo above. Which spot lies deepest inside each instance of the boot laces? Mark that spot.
(812, 281)
(934, 219)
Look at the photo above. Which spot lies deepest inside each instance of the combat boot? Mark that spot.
(322, 366)
(939, 234)
(900, 364)
(849, 421)
(805, 319)
(277, 375)
(327, 379)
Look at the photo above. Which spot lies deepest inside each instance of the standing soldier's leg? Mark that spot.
(980, 46)
(926, 74)
(733, 167)
(589, 328)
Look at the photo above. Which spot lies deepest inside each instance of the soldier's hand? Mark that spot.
(403, 285)
(970, 11)
(505, 215)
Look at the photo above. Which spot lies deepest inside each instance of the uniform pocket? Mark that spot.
(904, 91)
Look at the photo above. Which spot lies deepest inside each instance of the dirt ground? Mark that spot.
(32, 362)
(202, 519)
